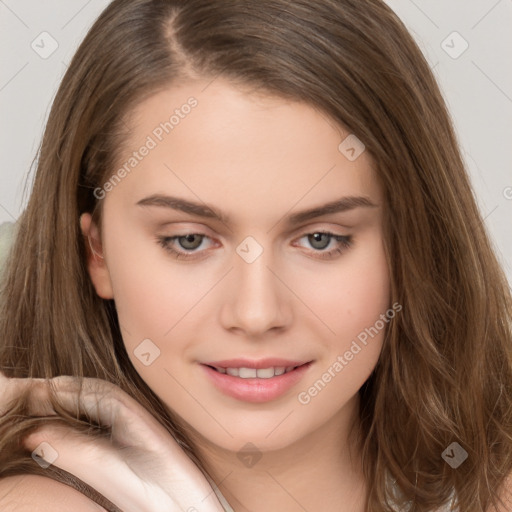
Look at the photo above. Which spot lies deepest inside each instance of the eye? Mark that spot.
(188, 244)
(321, 240)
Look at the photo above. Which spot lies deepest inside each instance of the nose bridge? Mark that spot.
(255, 278)
(257, 301)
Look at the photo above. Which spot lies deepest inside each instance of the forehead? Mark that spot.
(214, 141)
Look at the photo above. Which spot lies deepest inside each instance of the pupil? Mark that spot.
(189, 239)
(317, 238)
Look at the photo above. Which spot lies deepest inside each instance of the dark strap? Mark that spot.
(72, 481)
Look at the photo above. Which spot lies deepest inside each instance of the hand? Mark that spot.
(141, 468)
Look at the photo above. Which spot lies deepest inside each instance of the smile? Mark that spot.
(252, 373)
(255, 385)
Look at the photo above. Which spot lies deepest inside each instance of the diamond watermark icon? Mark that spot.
(45, 45)
(455, 455)
(454, 45)
(147, 352)
(249, 250)
(249, 455)
(351, 148)
(45, 455)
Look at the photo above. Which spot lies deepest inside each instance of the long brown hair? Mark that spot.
(445, 371)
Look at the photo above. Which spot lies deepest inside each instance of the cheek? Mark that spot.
(154, 303)
(149, 286)
(151, 293)
(359, 302)
(368, 293)
(352, 297)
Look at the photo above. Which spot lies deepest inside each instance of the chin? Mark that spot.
(260, 437)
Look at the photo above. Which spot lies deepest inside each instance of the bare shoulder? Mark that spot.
(33, 493)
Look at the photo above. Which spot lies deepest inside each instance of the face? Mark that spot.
(216, 258)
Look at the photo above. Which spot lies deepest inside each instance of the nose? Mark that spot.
(255, 300)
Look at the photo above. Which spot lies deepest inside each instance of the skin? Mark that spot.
(258, 159)
(18, 493)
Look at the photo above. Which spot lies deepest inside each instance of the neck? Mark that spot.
(321, 471)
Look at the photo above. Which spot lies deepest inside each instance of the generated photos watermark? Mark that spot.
(156, 137)
(357, 345)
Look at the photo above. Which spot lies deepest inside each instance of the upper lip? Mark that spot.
(268, 362)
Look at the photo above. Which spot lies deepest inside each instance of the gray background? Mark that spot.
(477, 84)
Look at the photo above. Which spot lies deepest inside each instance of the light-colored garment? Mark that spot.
(396, 492)
(227, 507)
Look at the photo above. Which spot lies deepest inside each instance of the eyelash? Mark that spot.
(345, 242)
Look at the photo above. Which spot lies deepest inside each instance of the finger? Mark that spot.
(75, 395)
(132, 425)
(36, 390)
(108, 405)
(81, 457)
(129, 486)
(101, 401)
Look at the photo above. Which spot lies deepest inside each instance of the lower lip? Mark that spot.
(256, 390)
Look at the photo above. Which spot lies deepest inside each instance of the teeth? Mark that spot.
(247, 373)
(266, 373)
(252, 373)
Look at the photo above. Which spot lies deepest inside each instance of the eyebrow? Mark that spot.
(203, 210)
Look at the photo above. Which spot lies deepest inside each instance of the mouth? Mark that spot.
(261, 381)
(255, 373)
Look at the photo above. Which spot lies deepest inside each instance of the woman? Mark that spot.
(262, 241)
